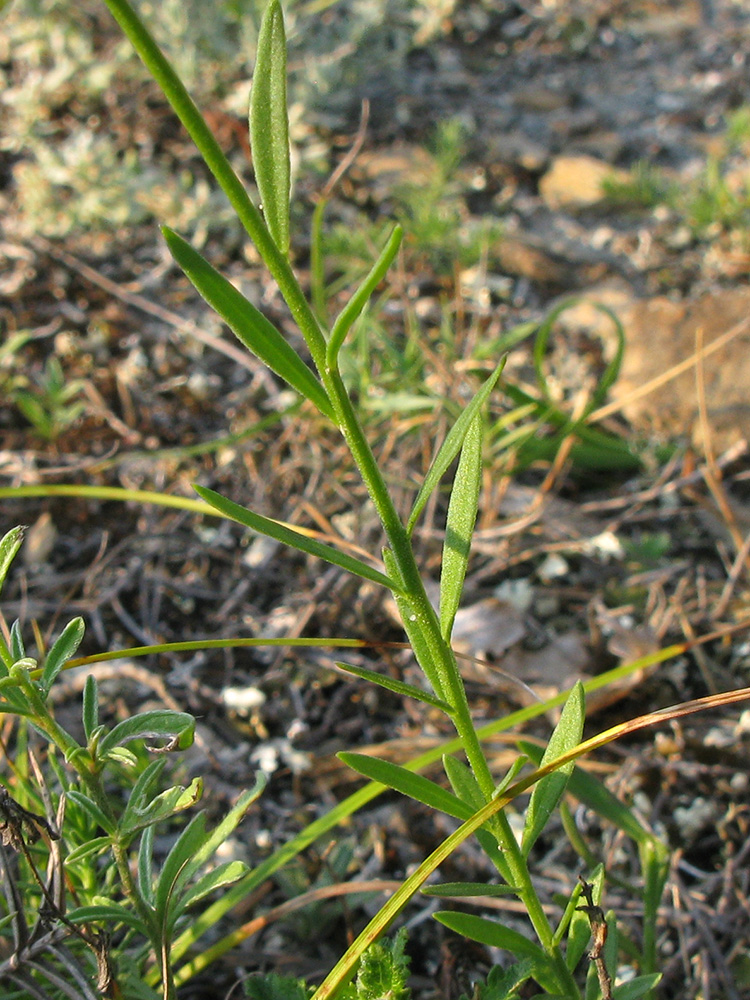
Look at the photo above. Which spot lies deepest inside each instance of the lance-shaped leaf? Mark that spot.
(248, 324)
(451, 890)
(62, 650)
(462, 513)
(451, 447)
(269, 126)
(265, 526)
(592, 793)
(106, 911)
(636, 988)
(362, 296)
(491, 933)
(415, 786)
(176, 728)
(9, 546)
(548, 791)
(392, 684)
(90, 710)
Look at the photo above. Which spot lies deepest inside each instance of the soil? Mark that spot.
(575, 569)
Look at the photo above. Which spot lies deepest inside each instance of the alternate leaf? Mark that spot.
(592, 793)
(636, 988)
(579, 926)
(282, 533)
(549, 790)
(62, 650)
(90, 706)
(89, 806)
(415, 786)
(491, 933)
(450, 890)
(463, 782)
(106, 912)
(397, 686)
(462, 513)
(144, 809)
(222, 875)
(9, 546)
(146, 865)
(248, 324)
(451, 447)
(177, 728)
(361, 297)
(269, 125)
(95, 846)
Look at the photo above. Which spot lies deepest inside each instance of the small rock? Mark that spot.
(661, 333)
(575, 182)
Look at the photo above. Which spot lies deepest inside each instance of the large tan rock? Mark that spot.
(660, 334)
(575, 182)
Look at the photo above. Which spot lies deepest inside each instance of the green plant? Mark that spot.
(81, 832)
(717, 199)
(148, 911)
(52, 403)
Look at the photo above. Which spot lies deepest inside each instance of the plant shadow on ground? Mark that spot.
(591, 566)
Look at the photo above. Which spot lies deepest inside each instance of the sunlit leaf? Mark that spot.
(176, 728)
(451, 447)
(62, 650)
(467, 889)
(462, 513)
(249, 325)
(491, 933)
(269, 125)
(415, 786)
(549, 790)
(392, 684)
(282, 533)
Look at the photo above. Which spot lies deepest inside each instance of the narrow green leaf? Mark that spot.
(491, 933)
(146, 865)
(466, 787)
(106, 912)
(223, 875)
(89, 806)
(579, 926)
(193, 849)
(592, 793)
(9, 546)
(415, 786)
(462, 513)
(361, 297)
(269, 126)
(166, 804)
(451, 447)
(177, 728)
(265, 526)
(398, 687)
(248, 324)
(636, 988)
(467, 889)
(226, 827)
(174, 870)
(17, 647)
(62, 650)
(548, 792)
(95, 846)
(463, 782)
(90, 706)
(420, 631)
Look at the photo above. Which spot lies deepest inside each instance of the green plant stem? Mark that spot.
(253, 222)
(449, 685)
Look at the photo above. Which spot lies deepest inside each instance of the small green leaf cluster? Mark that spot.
(91, 826)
